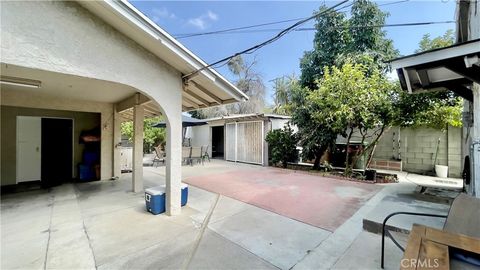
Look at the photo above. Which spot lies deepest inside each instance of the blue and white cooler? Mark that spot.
(155, 200)
(184, 194)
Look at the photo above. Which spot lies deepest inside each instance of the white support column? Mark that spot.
(174, 163)
(137, 174)
(117, 138)
(476, 141)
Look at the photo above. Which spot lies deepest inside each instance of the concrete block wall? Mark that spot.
(416, 148)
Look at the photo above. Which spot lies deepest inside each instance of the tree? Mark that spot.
(348, 99)
(282, 144)
(151, 136)
(339, 40)
(426, 43)
(431, 109)
(282, 96)
(248, 81)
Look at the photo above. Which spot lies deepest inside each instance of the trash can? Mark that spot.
(184, 194)
(155, 200)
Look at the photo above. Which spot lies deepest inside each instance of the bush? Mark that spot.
(282, 144)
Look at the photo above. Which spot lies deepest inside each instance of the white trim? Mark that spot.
(126, 12)
(263, 143)
(437, 55)
(236, 141)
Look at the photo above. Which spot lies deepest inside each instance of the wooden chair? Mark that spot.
(463, 219)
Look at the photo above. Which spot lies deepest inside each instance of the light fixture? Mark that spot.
(7, 80)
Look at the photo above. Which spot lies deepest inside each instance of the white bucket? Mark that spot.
(441, 171)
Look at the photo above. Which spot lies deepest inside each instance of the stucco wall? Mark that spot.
(82, 121)
(64, 37)
(202, 135)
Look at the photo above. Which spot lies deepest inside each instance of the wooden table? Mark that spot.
(427, 248)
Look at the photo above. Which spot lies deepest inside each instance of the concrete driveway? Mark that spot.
(103, 225)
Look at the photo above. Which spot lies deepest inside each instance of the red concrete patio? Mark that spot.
(319, 201)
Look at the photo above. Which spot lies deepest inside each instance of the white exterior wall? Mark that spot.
(202, 135)
(66, 38)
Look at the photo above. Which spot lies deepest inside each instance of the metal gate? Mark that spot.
(244, 142)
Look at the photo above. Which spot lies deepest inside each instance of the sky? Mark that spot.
(283, 56)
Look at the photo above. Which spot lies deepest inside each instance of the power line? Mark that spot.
(273, 39)
(346, 27)
(188, 35)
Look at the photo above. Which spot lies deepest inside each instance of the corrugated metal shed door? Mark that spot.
(244, 142)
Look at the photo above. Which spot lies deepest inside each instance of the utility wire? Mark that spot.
(345, 27)
(188, 35)
(273, 39)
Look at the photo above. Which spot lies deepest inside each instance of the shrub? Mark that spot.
(282, 144)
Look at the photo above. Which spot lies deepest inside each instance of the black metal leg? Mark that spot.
(382, 260)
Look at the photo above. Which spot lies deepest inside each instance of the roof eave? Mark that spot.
(124, 10)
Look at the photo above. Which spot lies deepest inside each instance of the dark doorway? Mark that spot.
(57, 143)
(217, 142)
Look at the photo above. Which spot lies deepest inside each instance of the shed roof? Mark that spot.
(250, 116)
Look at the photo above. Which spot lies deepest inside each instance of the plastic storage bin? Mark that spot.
(86, 172)
(155, 200)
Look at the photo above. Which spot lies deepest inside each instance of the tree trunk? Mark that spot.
(374, 145)
(318, 156)
(348, 170)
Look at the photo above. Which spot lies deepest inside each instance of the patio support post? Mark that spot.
(174, 163)
(137, 174)
(117, 138)
(476, 140)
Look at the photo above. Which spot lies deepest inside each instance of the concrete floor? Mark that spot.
(104, 225)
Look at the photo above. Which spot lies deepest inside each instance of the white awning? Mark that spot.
(454, 68)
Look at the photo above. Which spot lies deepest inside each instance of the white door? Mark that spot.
(29, 140)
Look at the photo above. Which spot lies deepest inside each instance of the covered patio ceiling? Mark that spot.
(17, 78)
(454, 68)
(52, 84)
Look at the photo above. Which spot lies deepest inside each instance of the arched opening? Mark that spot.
(59, 127)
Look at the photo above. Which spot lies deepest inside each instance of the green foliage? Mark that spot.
(198, 114)
(151, 136)
(282, 144)
(339, 39)
(426, 43)
(430, 109)
(282, 96)
(347, 98)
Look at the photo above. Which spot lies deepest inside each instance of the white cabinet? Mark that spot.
(126, 157)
